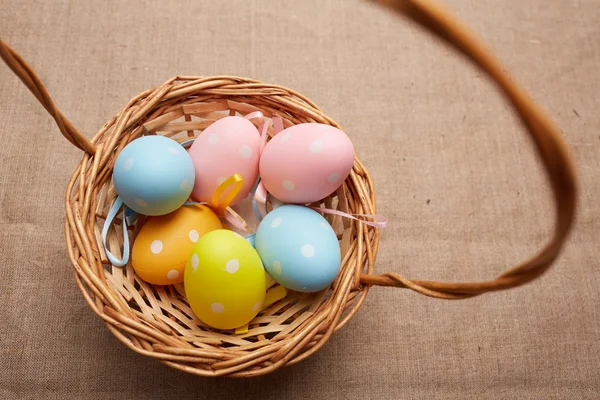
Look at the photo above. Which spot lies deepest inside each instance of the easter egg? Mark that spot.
(306, 162)
(299, 248)
(224, 280)
(164, 244)
(153, 175)
(228, 146)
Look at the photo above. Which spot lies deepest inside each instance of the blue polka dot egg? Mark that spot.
(298, 248)
(153, 175)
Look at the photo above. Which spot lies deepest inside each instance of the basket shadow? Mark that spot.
(149, 378)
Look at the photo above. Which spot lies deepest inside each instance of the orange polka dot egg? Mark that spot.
(165, 242)
(225, 280)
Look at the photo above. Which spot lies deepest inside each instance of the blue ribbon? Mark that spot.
(251, 239)
(132, 216)
(195, 203)
(187, 143)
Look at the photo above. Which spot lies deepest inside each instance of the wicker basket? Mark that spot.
(157, 321)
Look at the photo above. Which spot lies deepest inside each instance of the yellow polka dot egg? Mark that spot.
(224, 280)
(164, 244)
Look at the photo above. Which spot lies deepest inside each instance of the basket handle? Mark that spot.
(35, 86)
(546, 137)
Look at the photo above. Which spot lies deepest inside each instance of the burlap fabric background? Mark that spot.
(453, 170)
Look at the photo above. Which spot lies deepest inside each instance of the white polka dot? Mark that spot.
(140, 202)
(194, 235)
(286, 136)
(276, 222)
(316, 146)
(185, 185)
(128, 164)
(257, 306)
(220, 180)
(195, 261)
(288, 185)
(232, 266)
(213, 139)
(173, 274)
(277, 267)
(156, 246)
(173, 150)
(217, 307)
(323, 127)
(333, 178)
(325, 225)
(245, 151)
(308, 251)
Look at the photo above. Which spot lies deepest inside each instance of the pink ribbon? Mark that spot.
(261, 193)
(255, 114)
(278, 124)
(234, 221)
(379, 221)
(263, 135)
(263, 129)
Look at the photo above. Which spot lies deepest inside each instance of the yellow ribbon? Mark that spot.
(235, 183)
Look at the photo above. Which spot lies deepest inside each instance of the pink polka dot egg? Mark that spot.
(306, 162)
(230, 145)
(153, 175)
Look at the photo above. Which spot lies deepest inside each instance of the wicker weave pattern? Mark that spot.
(158, 322)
